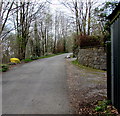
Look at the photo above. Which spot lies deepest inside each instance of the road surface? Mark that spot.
(38, 87)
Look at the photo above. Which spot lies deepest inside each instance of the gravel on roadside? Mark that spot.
(85, 88)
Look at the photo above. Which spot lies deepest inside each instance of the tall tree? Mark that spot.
(5, 9)
(37, 41)
(101, 13)
(24, 17)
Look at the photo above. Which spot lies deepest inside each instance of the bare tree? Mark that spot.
(4, 13)
(24, 17)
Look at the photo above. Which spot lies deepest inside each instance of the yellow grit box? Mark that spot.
(14, 60)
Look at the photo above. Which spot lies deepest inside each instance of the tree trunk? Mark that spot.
(1, 15)
(77, 20)
(89, 18)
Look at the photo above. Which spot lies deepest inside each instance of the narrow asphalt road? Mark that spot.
(38, 87)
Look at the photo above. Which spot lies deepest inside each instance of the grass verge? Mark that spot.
(36, 58)
(27, 60)
(75, 62)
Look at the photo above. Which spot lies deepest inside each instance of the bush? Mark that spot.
(27, 60)
(87, 41)
(34, 57)
(105, 107)
(4, 67)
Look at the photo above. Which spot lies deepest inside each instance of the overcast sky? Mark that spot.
(56, 5)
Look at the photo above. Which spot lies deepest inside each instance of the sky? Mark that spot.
(57, 6)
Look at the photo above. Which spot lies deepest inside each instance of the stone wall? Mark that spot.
(93, 57)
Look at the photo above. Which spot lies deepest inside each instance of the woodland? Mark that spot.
(30, 29)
